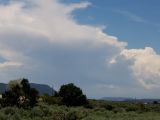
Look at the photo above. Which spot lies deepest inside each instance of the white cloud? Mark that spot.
(27, 31)
(75, 6)
(42, 41)
(132, 16)
(146, 66)
(9, 64)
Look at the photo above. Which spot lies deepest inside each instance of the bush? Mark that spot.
(9, 110)
(108, 107)
(71, 116)
(36, 111)
(19, 94)
(59, 116)
(131, 108)
(89, 106)
(51, 100)
(72, 95)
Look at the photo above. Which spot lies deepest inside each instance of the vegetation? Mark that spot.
(72, 95)
(120, 111)
(19, 94)
(20, 102)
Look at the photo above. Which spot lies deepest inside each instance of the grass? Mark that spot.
(98, 110)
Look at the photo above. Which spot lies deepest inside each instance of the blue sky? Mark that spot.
(107, 47)
(136, 22)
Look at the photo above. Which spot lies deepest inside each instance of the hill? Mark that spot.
(127, 99)
(42, 88)
(117, 99)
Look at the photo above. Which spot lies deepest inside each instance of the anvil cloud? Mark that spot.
(42, 41)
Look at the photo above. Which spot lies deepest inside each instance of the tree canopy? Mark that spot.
(72, 95)
(20, 93)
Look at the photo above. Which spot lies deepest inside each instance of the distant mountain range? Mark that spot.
(42, 88)
(127, 99)
(116, 98)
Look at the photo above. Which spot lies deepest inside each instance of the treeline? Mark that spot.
(20, 94)
(21, 102)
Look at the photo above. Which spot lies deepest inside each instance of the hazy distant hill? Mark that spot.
(3, 87)
(42, 89)
(117, 98)
(123, 99)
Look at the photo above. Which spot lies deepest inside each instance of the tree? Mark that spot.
(72, 95)
(11, 97)
(29, 96)
(25, 86)
(33, 97)
(20, 94)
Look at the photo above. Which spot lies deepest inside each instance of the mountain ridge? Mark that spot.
(41, 88)
(130, 99)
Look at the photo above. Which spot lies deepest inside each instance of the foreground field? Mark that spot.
(98, 110)
(21, 102)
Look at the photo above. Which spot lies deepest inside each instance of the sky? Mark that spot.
(135, 22)
(108, 48)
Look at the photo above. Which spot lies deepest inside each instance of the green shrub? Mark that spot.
(51, 100)
(118, 110)
(36, 111)
(71, 116)
(131, 108)
(2, 116)
(59, 116)
(72, 95)
(9, 110)
(89, 106)
(108, 107)
(16, 116)
(19, 94)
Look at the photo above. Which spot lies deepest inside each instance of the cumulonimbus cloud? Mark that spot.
(146, 66)
(42, 37)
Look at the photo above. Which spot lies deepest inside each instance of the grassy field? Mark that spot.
(96, 110)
